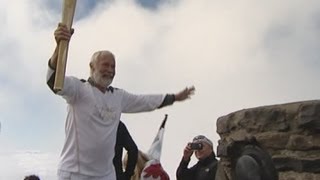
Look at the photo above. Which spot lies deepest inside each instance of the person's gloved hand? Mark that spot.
(156, 170)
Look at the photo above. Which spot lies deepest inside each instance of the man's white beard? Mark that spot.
(99, 80)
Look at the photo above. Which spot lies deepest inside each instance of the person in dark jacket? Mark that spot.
(205, 168)
(124, 140)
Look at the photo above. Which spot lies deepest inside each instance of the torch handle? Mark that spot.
(69, 7)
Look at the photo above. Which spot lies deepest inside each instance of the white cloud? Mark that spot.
(24, 163)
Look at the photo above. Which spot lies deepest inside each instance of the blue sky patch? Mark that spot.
(86, 7)
(150, 4)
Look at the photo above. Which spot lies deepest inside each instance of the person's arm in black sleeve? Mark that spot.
(132, 151)
(117, 160)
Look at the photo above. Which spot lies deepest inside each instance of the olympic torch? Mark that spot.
(69, 7)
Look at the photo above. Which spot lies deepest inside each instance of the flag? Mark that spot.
(156, 146)
(153, 169)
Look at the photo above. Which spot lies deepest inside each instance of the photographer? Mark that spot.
(206, 166)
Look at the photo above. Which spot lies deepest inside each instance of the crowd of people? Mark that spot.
(133, 167)
(95, 136)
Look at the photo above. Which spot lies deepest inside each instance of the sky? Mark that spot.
(238, 54)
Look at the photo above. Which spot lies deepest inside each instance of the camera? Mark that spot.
(196, 146)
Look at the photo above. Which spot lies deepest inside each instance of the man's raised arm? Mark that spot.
(61, 33)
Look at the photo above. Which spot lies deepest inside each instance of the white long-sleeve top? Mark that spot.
(92, 122)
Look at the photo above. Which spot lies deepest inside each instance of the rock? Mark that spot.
(290, 133)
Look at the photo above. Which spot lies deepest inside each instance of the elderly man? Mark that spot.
(206, 166)
(94, 110)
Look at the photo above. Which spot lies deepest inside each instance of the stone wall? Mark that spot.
(290, 133)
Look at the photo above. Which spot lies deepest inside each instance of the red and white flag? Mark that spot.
(153, 169)
(156, 146)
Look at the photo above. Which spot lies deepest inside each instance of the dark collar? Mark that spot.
(208, 159)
